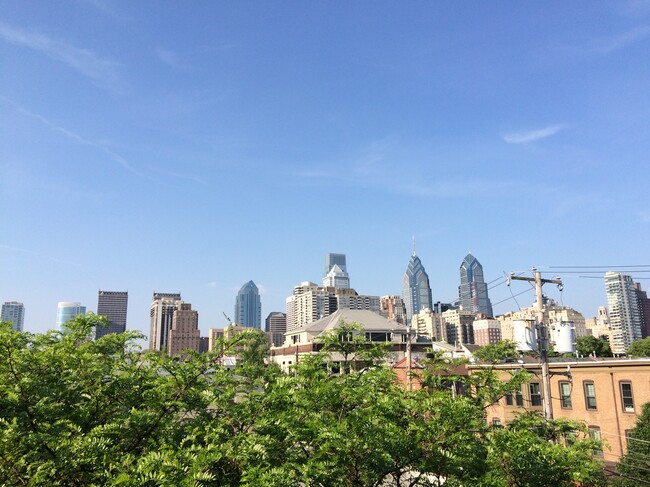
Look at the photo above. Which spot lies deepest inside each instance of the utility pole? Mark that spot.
(543, 336)
(408, 357)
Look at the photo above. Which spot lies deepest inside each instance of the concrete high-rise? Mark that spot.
(624, 312)
(335, 259)
(644, 309)
(66, 310)
(161, 317)
(14, 312)
(473, 292)
(184, 333)
(416, 291)
(392, 307)
(113, 305)
(248, 308)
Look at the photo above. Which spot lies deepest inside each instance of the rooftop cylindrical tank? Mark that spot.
(524, 334)
(564, 336)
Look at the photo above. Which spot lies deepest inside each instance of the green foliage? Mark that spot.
(533, 452)
(497, 352)
(81, 412)
(634, 467)
(640, 348)
(587, 345)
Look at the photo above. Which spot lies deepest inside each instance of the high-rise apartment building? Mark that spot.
(276, 327)
(644, 309)
(14, 312)
(113, 305)
(184, 333)
(335, 259)
(624, 312)
(459, 326)
(473, 292)
(66, 310)
(416, 291)
(392, 308)
(487, 331)
(337, 278)
(248, 308)
(309, 303)
(161, 317)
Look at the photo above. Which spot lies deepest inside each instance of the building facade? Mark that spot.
(276, 327)
(487, 331)
(416, 291)
(335, 259)
(473, 291)
(392, 307)
(605, 394)
(14, 312)
(184, 333)
(113, 305)
(161, 315)
(66, 310)
(248, 307)
(644, 309)
(337, 278)
(624, 312)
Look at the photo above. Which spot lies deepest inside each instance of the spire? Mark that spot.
(414, 245)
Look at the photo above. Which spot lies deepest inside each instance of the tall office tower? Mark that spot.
(112, 304)
(337, 278)
(392, 307)
(14, 312)
(335, 259)
(184, 333)
(161, 317)
(248, 308)
(67, 310)
(473, 292)
(624, 313)
(276, 327)
(644, 309)
(416, 291)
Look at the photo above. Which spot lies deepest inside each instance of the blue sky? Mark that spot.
(192, 146)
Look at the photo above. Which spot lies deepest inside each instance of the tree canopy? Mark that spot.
(589, 344)
(640, 348)
(80, 412)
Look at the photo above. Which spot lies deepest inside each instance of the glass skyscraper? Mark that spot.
(248, 307)
(67, 310)
(472, 292)
(416, 291)
(335, 259)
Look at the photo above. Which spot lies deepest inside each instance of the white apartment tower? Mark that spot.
(14, 312)
(624, 312)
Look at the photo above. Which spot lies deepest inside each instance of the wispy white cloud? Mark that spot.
(114, 156)
(103, 72)
(172, 59)
(187, 177)
(532, 135)
(623, 40)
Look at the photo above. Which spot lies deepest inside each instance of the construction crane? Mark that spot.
(227, 317)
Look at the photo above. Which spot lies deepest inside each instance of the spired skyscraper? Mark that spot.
(248, 308)
(112, 304)
(473, 292)
(416, 291)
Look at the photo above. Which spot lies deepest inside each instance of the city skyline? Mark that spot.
(134, 145)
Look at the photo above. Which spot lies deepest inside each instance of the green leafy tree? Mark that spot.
(349, 342)
(587, 345)
(531, 451)
(634, 467)
(640, 348)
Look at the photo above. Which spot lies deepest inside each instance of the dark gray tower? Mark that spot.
(112, 304)
(473, 292)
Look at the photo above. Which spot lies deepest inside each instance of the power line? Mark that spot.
(594, 266)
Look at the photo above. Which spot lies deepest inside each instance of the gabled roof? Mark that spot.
(369, 320)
